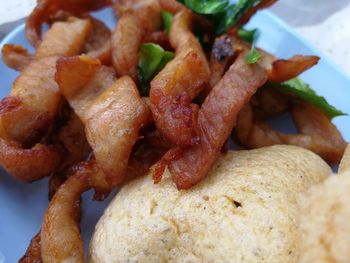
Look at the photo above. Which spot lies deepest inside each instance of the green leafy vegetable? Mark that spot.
(152, 59)
(233, 13)
(167, 19)
(304, 91)
(248, 35)
(220, 12)
(253, 56)
(206, 7)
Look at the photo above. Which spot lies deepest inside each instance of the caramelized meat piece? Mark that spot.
(60, 233)
(45, 9)
(113, 114)
(28, 165)
(216, 119)
(182, 79)
(137, 19)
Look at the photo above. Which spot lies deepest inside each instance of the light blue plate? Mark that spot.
(22, 205)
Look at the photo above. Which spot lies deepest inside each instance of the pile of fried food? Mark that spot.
(163, 91)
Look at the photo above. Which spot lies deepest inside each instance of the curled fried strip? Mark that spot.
(112, 125)
(113, 114)
(33, 253)
(35, 99)
(216, 119)
(15, 56)
(317, 133)
(28, 165)
(65, 38)
(99, 43)
(46, 9)
(283, 70)
(325, 139)
(126, 41)
(60, 233)
(221, 57)
(133, 25)
(182, 79)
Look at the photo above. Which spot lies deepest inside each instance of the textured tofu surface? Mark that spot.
(325, 219)
(244, 211)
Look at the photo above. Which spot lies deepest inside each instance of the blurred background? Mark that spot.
(324, 23)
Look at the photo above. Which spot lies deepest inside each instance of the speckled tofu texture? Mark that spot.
(325, 219)
(244, 211)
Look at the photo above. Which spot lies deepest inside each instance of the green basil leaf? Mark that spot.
(207, 7)
(233, 13)
(253, 56)
(167, 57)
(167, 19)
(248, 35)
(303, 90)
(152, 59)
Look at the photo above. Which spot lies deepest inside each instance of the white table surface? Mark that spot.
(324, 23)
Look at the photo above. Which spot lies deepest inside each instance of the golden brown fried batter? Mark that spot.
(45, 9)
(216, 119)
(15, 56)
(182, 79)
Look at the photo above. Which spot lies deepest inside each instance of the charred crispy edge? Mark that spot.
(45, 9)
(180, 111)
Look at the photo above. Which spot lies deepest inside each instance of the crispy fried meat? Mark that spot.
(182, 79)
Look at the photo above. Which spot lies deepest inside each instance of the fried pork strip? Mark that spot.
(182, 79)
(136, 19)
(33, 253)
(28, 165)
(226, 48)
(35, 98)
(113, 114)
(99, 43)
(15, 56)
(45, 9)
(60, 233)
(216, 119)
(317, 133)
